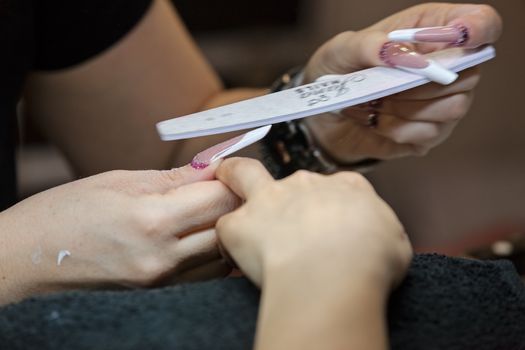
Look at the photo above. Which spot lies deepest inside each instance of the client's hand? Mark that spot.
(412, 122)
(326, 251)
(128, 228)
(332, 229)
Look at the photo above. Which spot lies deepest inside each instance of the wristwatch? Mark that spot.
(290, 146)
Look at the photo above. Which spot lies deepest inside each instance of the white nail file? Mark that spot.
(322, 96)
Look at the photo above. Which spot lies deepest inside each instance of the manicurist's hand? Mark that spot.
(415, 121)
(121, 228)
(310, 222)
(326, 251)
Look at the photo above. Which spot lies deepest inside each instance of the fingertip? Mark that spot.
(242, 175)
(356, 50)
(371, 45)
(483, 25)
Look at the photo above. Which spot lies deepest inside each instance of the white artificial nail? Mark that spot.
(434, 72)
(455, 35)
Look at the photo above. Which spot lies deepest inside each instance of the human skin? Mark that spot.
(325, 270)
(122, 229)
(412, 122)
(157, 71)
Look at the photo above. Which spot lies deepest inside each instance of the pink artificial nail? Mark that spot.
(456, 35)
(204, 158)
(400, 56)
(223, 149)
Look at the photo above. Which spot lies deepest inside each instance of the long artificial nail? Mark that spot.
(455, 35)
(224, 149)
(402, 57)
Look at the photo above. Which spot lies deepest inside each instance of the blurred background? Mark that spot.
(465, 193)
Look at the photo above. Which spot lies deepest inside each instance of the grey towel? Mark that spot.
(444, 303)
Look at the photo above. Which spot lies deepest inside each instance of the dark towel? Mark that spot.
(444, 303)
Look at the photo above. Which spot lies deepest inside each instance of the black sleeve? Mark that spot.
(69, 32)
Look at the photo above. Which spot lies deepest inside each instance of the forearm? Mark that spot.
(319, 315)
(102, 113)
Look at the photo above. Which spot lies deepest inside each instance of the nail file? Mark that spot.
(322, 96)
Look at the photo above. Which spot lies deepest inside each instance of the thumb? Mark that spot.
(347, 52)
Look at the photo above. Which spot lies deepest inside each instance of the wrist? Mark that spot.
(327, 310)
(316, 271)
(324, 130)
(301, 143)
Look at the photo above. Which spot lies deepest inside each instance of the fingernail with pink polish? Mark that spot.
(226, 148)
(402, 57)
(456, 35)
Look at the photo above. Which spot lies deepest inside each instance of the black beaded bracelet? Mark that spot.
(290, 146)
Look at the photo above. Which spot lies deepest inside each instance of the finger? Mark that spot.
(166, 180)
(402, 131)
(194, 206)
(381, 147)
(356, 180)
(211, 270)
(361, 49)
(417, 133)
(371, 48)
(467, 25)
(347, 52)
(195, 250)
(439, 110)
(468, 79)
(243, 175)
(483, 23)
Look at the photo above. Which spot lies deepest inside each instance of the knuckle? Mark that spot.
(428, 133)
(399, 136)
(217, 198)
(170, 177)
(231, 165)
(339, 43)
(303, 176)
(226, 229)
(342, 39)
(227, 201)
(486, 11)
(458, 106)
(354, 179)
(149, 270)
(150, 221)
